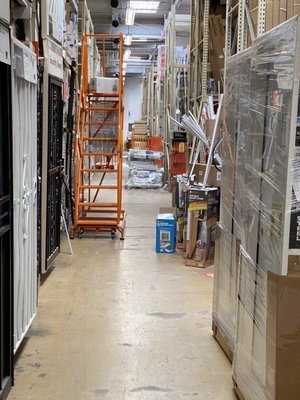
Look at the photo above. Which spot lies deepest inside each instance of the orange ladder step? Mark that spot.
(110, 171)
(98, 187)
(100, 109)
(104, 139)
(97, 222)
(99, 154)
(102, 123)
(102, 95)
(104, 205)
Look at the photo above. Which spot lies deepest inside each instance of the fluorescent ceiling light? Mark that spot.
(144, 7)
(128, 39)
(127, 54)
(130, 15)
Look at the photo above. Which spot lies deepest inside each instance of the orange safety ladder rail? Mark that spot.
(98, 148)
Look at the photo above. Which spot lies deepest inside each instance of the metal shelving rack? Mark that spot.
(199, 64)
(172, 69)
(241, 37)
(198, 72)
(152, 104)
(98, 149)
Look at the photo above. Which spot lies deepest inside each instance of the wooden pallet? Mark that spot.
(222, 341)
(237, 390)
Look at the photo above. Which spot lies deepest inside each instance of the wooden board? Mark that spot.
(237, 390)
(222, 341)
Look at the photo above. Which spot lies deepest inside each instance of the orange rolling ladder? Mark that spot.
(98, 147)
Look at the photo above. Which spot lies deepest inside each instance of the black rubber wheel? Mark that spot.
(113, 235)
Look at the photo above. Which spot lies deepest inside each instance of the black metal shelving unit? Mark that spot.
(55, 134)
(6, 235)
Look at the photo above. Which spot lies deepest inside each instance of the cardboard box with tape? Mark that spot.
(214, 177)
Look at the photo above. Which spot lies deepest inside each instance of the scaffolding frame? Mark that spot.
(90, 213)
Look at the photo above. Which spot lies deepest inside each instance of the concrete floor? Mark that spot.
(117, 321)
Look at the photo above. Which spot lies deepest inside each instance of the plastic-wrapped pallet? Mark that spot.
(144, 172)
(231, 209)
(225, 289)
(261, 208)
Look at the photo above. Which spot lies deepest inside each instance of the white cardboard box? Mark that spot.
(104, 85)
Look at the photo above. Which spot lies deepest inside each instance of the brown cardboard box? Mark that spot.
(184, 238)
(253, 8)
(209, 127)
(180, 226)
(192, 230)
(194, 225)
(276, 8)
(68, 10)
(217, 34)
(167, 210)
(214, 177)
(290, 8)
(216, 51)
(283, 336)
(216, 65)
(254, 17)
(296, 7)
(293, 263)
(269, 15)
(283, 11)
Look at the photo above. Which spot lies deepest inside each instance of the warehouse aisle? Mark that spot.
(117, 321)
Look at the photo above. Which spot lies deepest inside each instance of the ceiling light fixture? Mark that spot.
(144, 7)
(130, 15)
(128, 39)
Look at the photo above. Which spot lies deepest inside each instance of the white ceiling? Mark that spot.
(147, 31)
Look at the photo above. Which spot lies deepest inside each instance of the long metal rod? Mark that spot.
(66, 229)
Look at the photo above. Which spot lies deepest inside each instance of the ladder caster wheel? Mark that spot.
(113, 235)
(80, 234)
(122, 238)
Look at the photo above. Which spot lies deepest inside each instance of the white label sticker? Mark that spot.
(4, 45)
